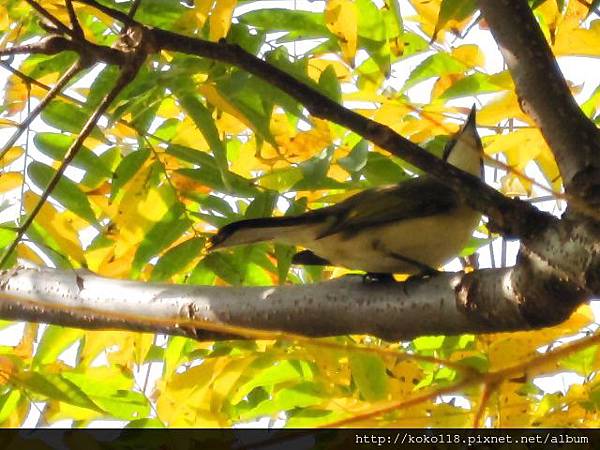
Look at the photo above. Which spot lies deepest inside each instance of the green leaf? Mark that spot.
(394, 6)
(128, 167)
(173, 354)
(54, 341)
(171, 226)
(368, 372)
(382, 170)
(307, 24)
(478, 83)
(167, 130)
(68, 117)
(357, 158)
(434, 66)
(145, 423)
(210, 176)
(473, 245)
(176, 258)
(301, 395)
(262, 205)
(8, 403)
(38, 66)
(284, 371)
(372, 33)
(581, 362)
(453, 10)
(56, 387)
(55, 146)
(330, 85)
(112, 393)
(66, 192)
(48, 246)
(428, 343)
(205, 123)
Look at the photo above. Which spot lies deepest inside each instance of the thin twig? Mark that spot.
(52, 93)
(134, 8)
(75, 25)
(57, 23)
(27, 79)
(127, 74)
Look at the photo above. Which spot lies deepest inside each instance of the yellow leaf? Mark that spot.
(316, 66)
(7, 123)
(213, 96)
(578, 41)
(15, 95)
(4, 20)
(10, 181)
(227, 380)
(520, 146)
(11, 155)
(247, 160)
(302, 144)
(341, 18)
(427, 14)
(7, 370)
(26, 253)
(506, 106)
(24, 349)
(168, 108)
(189, 135)
(120, 130)
(513, 185)
(470, 55)
(183, 183)
(56, 226)
(184, 398)
(220, 18)
(511, 407)
(444, 82)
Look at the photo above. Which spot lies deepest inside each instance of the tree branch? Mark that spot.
(510, 216)
(127, 74)
(57, 23)
(75, 26)
(545, 96)
(52, 93)
(534, 294)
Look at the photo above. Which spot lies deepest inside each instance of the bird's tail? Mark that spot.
(249, 231)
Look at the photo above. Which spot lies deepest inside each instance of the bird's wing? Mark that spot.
(419, 197)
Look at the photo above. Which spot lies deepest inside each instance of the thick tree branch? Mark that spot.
(512, 217)
(537, 292)
(545, 95)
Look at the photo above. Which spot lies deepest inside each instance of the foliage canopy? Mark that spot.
(191, 144)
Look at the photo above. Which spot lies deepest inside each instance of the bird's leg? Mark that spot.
(424, 269)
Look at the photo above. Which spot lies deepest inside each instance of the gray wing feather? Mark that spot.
(419, 197)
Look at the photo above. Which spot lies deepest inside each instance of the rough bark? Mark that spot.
(545, 96)
(554, 275)
(558, 266)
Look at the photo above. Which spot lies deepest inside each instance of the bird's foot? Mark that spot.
(375, 277)
(427, 273)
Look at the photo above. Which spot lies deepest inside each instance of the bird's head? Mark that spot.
(465, 150)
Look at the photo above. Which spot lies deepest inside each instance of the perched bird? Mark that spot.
(412, 227)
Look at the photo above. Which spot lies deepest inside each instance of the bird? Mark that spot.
(413, 227)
